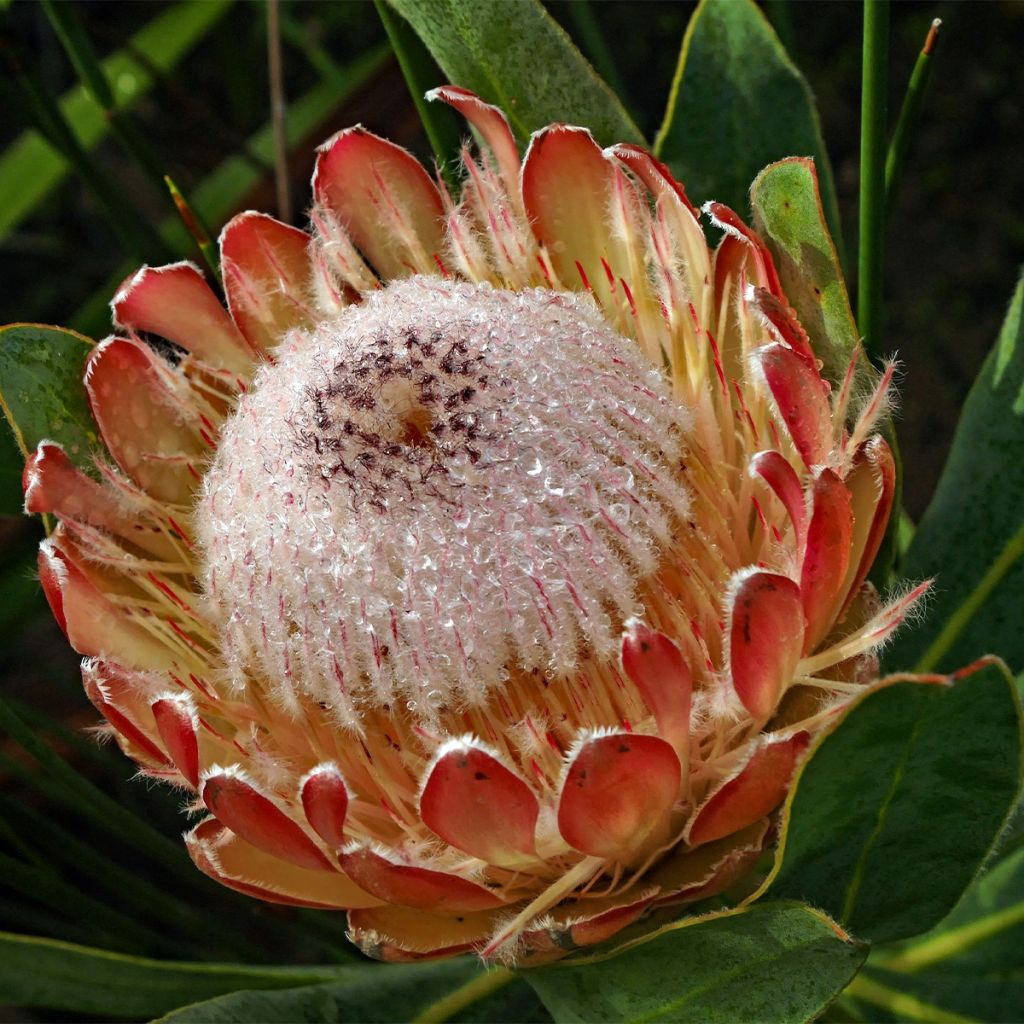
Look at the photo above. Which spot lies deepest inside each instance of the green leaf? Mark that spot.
(367, 993)
(970, 967)
(41, 389)
(899, 806)
(738, 103)
(781, 962)
(516, 56)
(442, 126)
(971, 537)
(972, 964)
(788, 213)
(30, 168)
(55, 975)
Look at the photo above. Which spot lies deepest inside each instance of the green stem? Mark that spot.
(24, 91)
(1011, 552)
(901, 1005)
(956, 941)
(871, 249)
(473, 991)
(909, 113)
(418, 68)
(195, 227)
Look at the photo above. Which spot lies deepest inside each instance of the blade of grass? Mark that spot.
(195, 227)
(30, 168)
(22, 88)
(69, 789)
(871, 244)
(79, 49)
(115, 881)
(46, 887)
(909, 114)
(57, 779)
(35, 921)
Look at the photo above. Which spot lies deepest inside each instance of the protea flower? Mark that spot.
(485, 567)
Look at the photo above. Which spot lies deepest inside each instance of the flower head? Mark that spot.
(485, 568)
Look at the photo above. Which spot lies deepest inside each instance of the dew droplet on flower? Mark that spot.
(446, 437)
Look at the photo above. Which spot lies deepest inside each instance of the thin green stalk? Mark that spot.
(46, 887)
(79, 49)
(466, 995)
(871, 248)
(195, 227)
(909, 114)
(58, 925)
(902, 1005)
(116, 881)
(420, 76)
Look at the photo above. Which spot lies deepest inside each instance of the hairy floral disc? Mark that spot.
(443, 486)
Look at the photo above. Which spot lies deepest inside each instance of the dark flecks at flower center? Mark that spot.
(396, 418)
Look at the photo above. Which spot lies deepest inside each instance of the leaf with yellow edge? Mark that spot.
(782, 962)
(788, 214)
(42, 393)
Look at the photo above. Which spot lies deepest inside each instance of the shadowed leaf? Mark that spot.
(971, 537)
(41, 390)
(899, 806)
(56, 975)
(516, 56)
(737, 103)
(369, 993)
(774, 961)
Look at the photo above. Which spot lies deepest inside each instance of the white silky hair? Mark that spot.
(442, 483)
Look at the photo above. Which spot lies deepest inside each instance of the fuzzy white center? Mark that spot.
(445, 486)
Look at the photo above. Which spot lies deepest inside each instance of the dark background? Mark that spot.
(955, 239)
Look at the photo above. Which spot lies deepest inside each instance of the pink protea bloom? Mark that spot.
(486, 567)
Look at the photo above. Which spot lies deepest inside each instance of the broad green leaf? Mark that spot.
(787, 205)
(971, 537)
(55, 975)
(368, 993)
(41, 389)
(898, 807)
(738, 103)
(972, 964)
(516, 56)
(30, 168)
(984, 933)
(781, 962)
